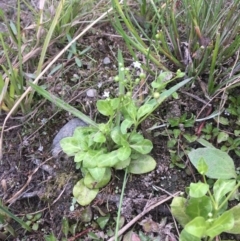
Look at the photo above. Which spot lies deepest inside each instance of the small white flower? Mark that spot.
(137, 65)
(106, 93)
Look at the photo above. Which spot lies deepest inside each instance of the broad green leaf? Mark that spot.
(135, 138)
(221, 188)
(99, 137)
(178, 210)
(202, 166)
(97, 173)
(82, 134)
(197, 227)
(122, 164)
(220, 164)
(222, 224)
(83, 194)
(90, 159)
(142, 165)
(222, 136)
(144, 147)
(118, 137)
(104, 107)
(124, 153)
(201, 206)
(129, 111)
(91, 183)
(236, 215)
(80, 156)
(70, 146)
(108, 160)
(102, 221)
(125, 125)
(115, 103)
(144, 110)
(185, 236)
(199, 189)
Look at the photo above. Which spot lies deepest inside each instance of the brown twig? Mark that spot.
(17, 194)
(145, 211)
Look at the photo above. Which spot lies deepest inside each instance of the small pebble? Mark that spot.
(91, 93)
(106, 60)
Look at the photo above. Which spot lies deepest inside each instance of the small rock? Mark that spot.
(66, 131)
(91, 93)
(106, 60)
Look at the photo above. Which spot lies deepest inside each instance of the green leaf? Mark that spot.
(91, 158)
(144, 147)
(115, 103)
(91, 183)
(221, 188)
(220, 164)
(161, 80)
(185, 236)
(82, 135)
(50, 237)
(165, 94)
(118, 137)
(60, 103)
(35, 226)
(201, 206)
(124, 153)
(65, 226)
(70, 145)
(222, 136)
(122, 164)
(135, 138)
(78, 62)
(178, 210)
(125, 125)
(142, 165)
(80, 156)
(196, 227)
(236, 215)
(86, 214)
(108, 160)
(222, 120)
(99, 137)
(129, 110)
(102, 221)
(222, 224)
(205, 143)
(83, 194)
(202, 166)
(198, 189)
(144, 110)
(97, 173)
(105, 107)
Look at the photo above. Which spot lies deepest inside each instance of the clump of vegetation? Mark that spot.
(117, 143)
(199, 37)
(204, 214)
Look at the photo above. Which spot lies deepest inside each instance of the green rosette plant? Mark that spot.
(117, 143)
(204, 214)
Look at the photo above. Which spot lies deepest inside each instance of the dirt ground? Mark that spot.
(32, 181)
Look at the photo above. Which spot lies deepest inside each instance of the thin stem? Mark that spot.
(120, 205)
